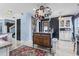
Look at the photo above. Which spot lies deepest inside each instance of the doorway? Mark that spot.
(54, 24)
(18, 29)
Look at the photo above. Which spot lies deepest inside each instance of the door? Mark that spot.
(18, 29)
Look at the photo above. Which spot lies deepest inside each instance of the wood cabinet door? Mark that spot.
(38, 40)
(42, 40)
(47, 41)
(35, 40)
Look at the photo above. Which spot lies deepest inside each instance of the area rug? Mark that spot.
(28, 51)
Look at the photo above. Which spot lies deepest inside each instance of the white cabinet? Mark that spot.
(5, 48)
(65, 28)
(4, 51)
(65, 22)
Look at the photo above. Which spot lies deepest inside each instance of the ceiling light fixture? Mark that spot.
(42, 12)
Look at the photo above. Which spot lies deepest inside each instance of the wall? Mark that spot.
(4, 28)
(76, 26)
(1, 24)
(26, 29)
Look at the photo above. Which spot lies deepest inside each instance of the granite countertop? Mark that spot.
(4, 44)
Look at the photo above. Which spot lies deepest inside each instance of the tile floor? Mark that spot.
(64, 48)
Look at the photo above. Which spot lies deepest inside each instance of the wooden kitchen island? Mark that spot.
(42, 39)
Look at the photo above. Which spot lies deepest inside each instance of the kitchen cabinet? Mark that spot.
(42, 39)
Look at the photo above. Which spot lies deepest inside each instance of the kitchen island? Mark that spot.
(42, 39)
(4, 48)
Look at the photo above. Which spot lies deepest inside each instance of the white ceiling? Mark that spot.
(64, 9)
(18, 8)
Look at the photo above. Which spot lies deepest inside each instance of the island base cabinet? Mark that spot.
(42, 39)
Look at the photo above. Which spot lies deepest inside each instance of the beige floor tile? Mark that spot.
(63, 48)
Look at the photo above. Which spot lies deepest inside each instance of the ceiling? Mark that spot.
(64, 9)
(10, 10)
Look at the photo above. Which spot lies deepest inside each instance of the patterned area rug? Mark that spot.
(28, 51)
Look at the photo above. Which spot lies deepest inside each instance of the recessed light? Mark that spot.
(34, 9)
(21, 13)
